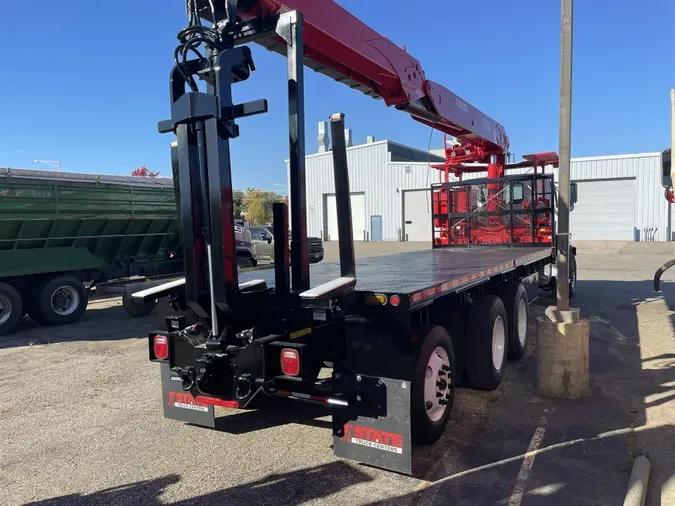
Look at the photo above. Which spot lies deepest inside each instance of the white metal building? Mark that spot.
(383, 177)
(619, 197)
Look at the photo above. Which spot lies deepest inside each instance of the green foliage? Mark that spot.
(257, 205)
(238, 204)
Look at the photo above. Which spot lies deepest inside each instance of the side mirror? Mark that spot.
(269, 240)
(573, 195)
(666, 166)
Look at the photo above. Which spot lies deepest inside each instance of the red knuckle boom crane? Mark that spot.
(344, 48)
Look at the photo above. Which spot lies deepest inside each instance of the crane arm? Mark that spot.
(343, 47)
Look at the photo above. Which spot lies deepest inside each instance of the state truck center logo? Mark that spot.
(186, 401)
(378, 439)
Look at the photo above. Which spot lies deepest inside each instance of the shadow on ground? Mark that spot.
(104, 320)
(290, 489)
(585, 447)
(527, 450)
(276, 411)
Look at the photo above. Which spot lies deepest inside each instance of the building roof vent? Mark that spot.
(324, 139)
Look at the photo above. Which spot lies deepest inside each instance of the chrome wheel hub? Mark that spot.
(65, 300)
(498, 343)
(437, 384)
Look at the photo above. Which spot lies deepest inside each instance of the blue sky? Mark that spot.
(90, 80)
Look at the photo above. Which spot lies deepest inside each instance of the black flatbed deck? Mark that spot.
(414, 272)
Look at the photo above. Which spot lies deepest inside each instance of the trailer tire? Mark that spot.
(428, 417)
(486, 339)
(514, 298)
(11, 308)
(137, 309)
(48, 307)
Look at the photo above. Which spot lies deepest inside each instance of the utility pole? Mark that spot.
(672, 155)
(564, 151)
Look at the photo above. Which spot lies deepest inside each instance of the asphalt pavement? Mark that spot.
(81, 420)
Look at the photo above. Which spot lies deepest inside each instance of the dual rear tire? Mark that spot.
(496, 331)
(53, 301)
(433, 384)
(11, 308)
(57, 301)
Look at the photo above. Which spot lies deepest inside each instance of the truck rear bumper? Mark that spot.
(370, 412)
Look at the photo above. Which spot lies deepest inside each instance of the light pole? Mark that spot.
(564, 153)
(53, 163)
(562, 335)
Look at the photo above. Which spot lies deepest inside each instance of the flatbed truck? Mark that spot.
(400, 331)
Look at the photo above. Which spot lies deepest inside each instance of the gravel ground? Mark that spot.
(81, 419)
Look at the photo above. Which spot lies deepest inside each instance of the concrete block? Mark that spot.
(571, 316)
(562, 354)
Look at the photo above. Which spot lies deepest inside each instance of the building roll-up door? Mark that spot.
(605, 210)
(358, 217)
(417, 215)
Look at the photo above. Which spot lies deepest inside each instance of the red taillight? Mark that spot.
(160, 346)
(290, 362)
(394, 300)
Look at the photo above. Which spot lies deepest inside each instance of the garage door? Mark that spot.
(605, 210)
(417, 215)
(358, 216)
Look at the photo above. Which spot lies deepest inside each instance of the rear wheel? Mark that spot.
(137, 309)
(573, 279)
(486, 343)
(514, 298)
(573, 275)
(433, 385)
(11, 308)
(244, 262)
(58, 301)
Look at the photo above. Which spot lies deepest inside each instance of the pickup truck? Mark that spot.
(263, 238)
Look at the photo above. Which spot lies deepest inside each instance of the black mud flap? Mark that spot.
(181, 405)
(378, 431)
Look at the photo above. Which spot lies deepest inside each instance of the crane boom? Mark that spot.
(338, 44)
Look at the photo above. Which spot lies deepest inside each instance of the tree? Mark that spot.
(258, 205)
(238, 204)
(143, 171)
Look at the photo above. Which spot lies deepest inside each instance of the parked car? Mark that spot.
(247, 255)
(263, 239)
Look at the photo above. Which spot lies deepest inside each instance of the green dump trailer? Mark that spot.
(62, 233)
